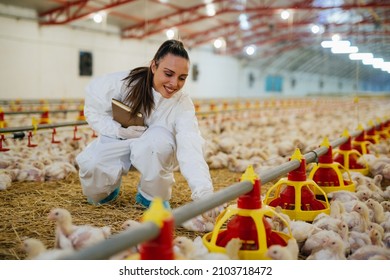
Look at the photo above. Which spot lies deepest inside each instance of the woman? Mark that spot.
(170, 138)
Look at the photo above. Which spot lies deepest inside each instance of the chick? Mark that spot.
(73, 236)
(289, 252)
(36, 250)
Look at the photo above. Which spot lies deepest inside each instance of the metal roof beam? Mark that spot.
(72, 11)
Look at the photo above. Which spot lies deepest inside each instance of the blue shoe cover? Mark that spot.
(111, 197)
(140, 199)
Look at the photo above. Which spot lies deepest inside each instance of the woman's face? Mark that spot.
(170, 74)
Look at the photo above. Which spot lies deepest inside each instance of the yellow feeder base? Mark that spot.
(361, 146)
(294, 208)
(346, 156)
(256, 215)
(335, 168)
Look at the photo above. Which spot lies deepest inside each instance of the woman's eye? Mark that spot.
(168, 74)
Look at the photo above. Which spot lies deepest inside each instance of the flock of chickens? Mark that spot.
(358, 226)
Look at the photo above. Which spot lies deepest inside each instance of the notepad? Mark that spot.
(121, 114)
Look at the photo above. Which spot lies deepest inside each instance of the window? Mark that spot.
(273, 83)
(85, 63)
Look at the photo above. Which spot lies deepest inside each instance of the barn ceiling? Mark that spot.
(283, 44)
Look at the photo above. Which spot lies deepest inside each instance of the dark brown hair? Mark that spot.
(139, 82)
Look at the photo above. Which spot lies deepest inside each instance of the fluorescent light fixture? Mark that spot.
(360, 56)
(342, 49)
(332, 44)
(377, 62)
(210, 10)
(385, 66)
(372, 61)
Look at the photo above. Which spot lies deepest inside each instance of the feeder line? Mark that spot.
(39, 101)
(41, 126)
(148, 230)
(40, 112)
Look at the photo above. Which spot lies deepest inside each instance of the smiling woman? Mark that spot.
(169, 139)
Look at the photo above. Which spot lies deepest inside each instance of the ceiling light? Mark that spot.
(331, 44)
(244, 23)
(250, 50)
(98, 18)
(210, 10)
(218, 43)
(170, 33)
(343, 49)
(315, 29)
(336, 37)
(285, 14)
(360, 56)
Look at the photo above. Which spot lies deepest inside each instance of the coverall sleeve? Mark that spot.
(97, 107)
(190, 151)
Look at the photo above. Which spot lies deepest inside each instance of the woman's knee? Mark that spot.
(157, 140)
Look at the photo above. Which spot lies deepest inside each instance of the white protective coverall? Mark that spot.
(172, 138)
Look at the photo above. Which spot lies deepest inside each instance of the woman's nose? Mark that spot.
(174, 82)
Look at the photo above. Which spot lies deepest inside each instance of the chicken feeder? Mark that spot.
(360, 142)
(330, 175)
(348, 157)
(161, 247)
(296, 195)
(247, 220)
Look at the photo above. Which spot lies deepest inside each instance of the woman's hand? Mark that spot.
(131, 132)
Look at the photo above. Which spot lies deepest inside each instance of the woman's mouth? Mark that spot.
(169, 90)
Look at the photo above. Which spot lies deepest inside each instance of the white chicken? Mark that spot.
(127, 225)
(371, 252)
(73, 236)
(302, 230)
(199, 224)
(331, 248)
(376, 237)
(36, 250)
(289, 252)
(358, 240)
(196, 250)
(343, 196)
(379, 214)
(6, 177)
(315, 241)
(58, 171)
(358, 218)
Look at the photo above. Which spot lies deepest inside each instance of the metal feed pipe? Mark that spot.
(148, 230)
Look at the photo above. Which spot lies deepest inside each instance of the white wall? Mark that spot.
(42, 62)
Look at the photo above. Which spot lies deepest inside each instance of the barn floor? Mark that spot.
(25, 206)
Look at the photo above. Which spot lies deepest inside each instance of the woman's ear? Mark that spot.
(153, 66)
